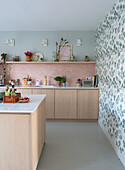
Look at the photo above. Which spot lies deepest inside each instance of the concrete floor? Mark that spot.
(77, 146)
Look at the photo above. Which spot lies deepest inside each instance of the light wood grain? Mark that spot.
(15, 146)
(38, 133)
(88, 104)
(49, 105)
(22, 137)
(66, 104)
(24, 91)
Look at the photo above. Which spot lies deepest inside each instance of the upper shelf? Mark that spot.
(50, 62)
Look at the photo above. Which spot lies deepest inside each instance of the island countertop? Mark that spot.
(25, 108)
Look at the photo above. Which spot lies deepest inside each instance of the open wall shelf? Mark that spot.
(50, 62)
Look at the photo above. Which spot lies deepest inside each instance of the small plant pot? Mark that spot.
(64, 84)
(29, 82)
(58, 83)
(86, 59)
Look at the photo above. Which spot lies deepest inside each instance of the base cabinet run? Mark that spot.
(80, 104)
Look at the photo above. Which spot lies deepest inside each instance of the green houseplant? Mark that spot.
(58, 80)
(64, 81)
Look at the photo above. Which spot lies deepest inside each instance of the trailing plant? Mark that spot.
(4, 70)
(3, 55)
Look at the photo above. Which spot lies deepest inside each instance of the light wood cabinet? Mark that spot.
(76, 104)
(65, 104)
(88, 104)
(49, 105)
(24, 91)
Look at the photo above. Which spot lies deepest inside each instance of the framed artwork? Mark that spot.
(65, 52)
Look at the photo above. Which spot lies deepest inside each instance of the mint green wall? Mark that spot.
(110, 52)
(31, 40)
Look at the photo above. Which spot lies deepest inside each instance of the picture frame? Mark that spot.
(65, 52)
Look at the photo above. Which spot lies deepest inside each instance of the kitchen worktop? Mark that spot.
(29, 107)
(51, 87)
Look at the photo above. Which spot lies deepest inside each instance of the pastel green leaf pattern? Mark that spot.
(110, 54)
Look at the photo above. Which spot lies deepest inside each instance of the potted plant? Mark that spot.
(86, 58)
(28, 56)
(64, 81)
(58, 80)
(3, 55)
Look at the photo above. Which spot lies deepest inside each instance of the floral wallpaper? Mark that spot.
(110, 54)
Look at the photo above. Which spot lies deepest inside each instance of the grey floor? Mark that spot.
(77, 146)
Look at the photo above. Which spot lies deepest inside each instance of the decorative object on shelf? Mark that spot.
(78, 83)
(27, 80)
(28, 56)
(72, 59)
(15, 58)
(10, 42)
(44, 42)
(3, 57)
(40, 56)
(79, 42)
(54, 56)
(35, 58)
(59, 47)
(65, 52)
(58, 80)
(64, 81)
(86, 58)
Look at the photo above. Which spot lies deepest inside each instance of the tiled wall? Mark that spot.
(111, 70)
(38, 71)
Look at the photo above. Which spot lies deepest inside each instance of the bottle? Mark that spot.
(54, 56)
(37, 83)
(7, 91)
(13, 91)
(45, 80)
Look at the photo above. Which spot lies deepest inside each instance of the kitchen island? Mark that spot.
(22, 133)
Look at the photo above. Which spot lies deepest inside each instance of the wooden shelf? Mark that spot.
(50, 62)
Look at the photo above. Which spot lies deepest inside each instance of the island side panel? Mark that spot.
(15, 146)
(38, 126)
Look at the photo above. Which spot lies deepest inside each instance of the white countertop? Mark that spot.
(51, 87)
(29, 107)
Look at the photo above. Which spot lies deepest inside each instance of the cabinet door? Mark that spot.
(24, 91)
(65, 104)
(49, 104)
(88, 104)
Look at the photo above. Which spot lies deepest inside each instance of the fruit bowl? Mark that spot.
(24, 100)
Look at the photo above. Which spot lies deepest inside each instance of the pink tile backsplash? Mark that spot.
(38, 71)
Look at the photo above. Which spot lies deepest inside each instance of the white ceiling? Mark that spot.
(52, 15)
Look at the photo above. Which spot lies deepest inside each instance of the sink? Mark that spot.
(43, 86)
